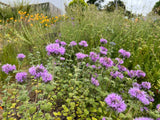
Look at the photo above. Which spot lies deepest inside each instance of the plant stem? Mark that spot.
(53, 63)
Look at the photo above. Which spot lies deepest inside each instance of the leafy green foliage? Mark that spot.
(156, 8)
(78, 2)
(111, 6)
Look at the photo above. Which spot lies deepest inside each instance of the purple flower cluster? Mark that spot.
(120, 61)
(117, 74)
(40, 71)
(73, 43)
(140, 73)
(124, 53)
(94, 57)
(7, 68)
(139, 94)
(46, 77)
(55, 49)
(37, 71)
(136, 85)
(103, 41)
(158, 107)
(146, 85)
(81, 56)
(20, 56)
(62, 43)
(122, 68)
(57, 41)
(115, 101)
(132, 73)
(143, 118)
(94, 81)
(106, 62)
(103, 118)
(83, 43)
(103, 50)
(62, 58)
(21, 76)
(136, 73)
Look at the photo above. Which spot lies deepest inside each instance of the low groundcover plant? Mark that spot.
(77, 86)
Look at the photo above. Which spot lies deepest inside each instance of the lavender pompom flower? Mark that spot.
(117, 74)
(93, 66)
(136, 85)
(94, 81)
(57, 41)
(37, 71)
(21, 76)
(103, 50)
(20, 56)
(143, 118)
(62, 58)
(140, 95)
(158, 119)
(55, 49)
(73, 43)
(115, 101)
(124, 53)
(103, 118)
(81, 56)
(122, 68)
(103, 41)
(106, 62)
(46, 77)
(94, 57)
(63, 43)
(87, 65)
(140, 73)
(132, 73)
(158, 107)
(120, 61)
(83, 43)
(7, 68)
(146, 85)
(150, 98)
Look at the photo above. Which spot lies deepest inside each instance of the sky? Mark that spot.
(136, 6)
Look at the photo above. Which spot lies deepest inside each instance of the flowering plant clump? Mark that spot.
(73, 43)
(103, 50)
(81, 56)
(20, 56)
(55, 49)
(103, 41)
(158, 107)
(115, 101)
(94, 57)
(72, 85)
(124, 53)
(106, 62)
(83, 43)
(143, 118)
(21, 76)
(37, 71)
(7, 68)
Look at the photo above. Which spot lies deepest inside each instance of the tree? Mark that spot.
(96, 2)
(156, 8)
(78, 2)
(111, 6)
(91, 1)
